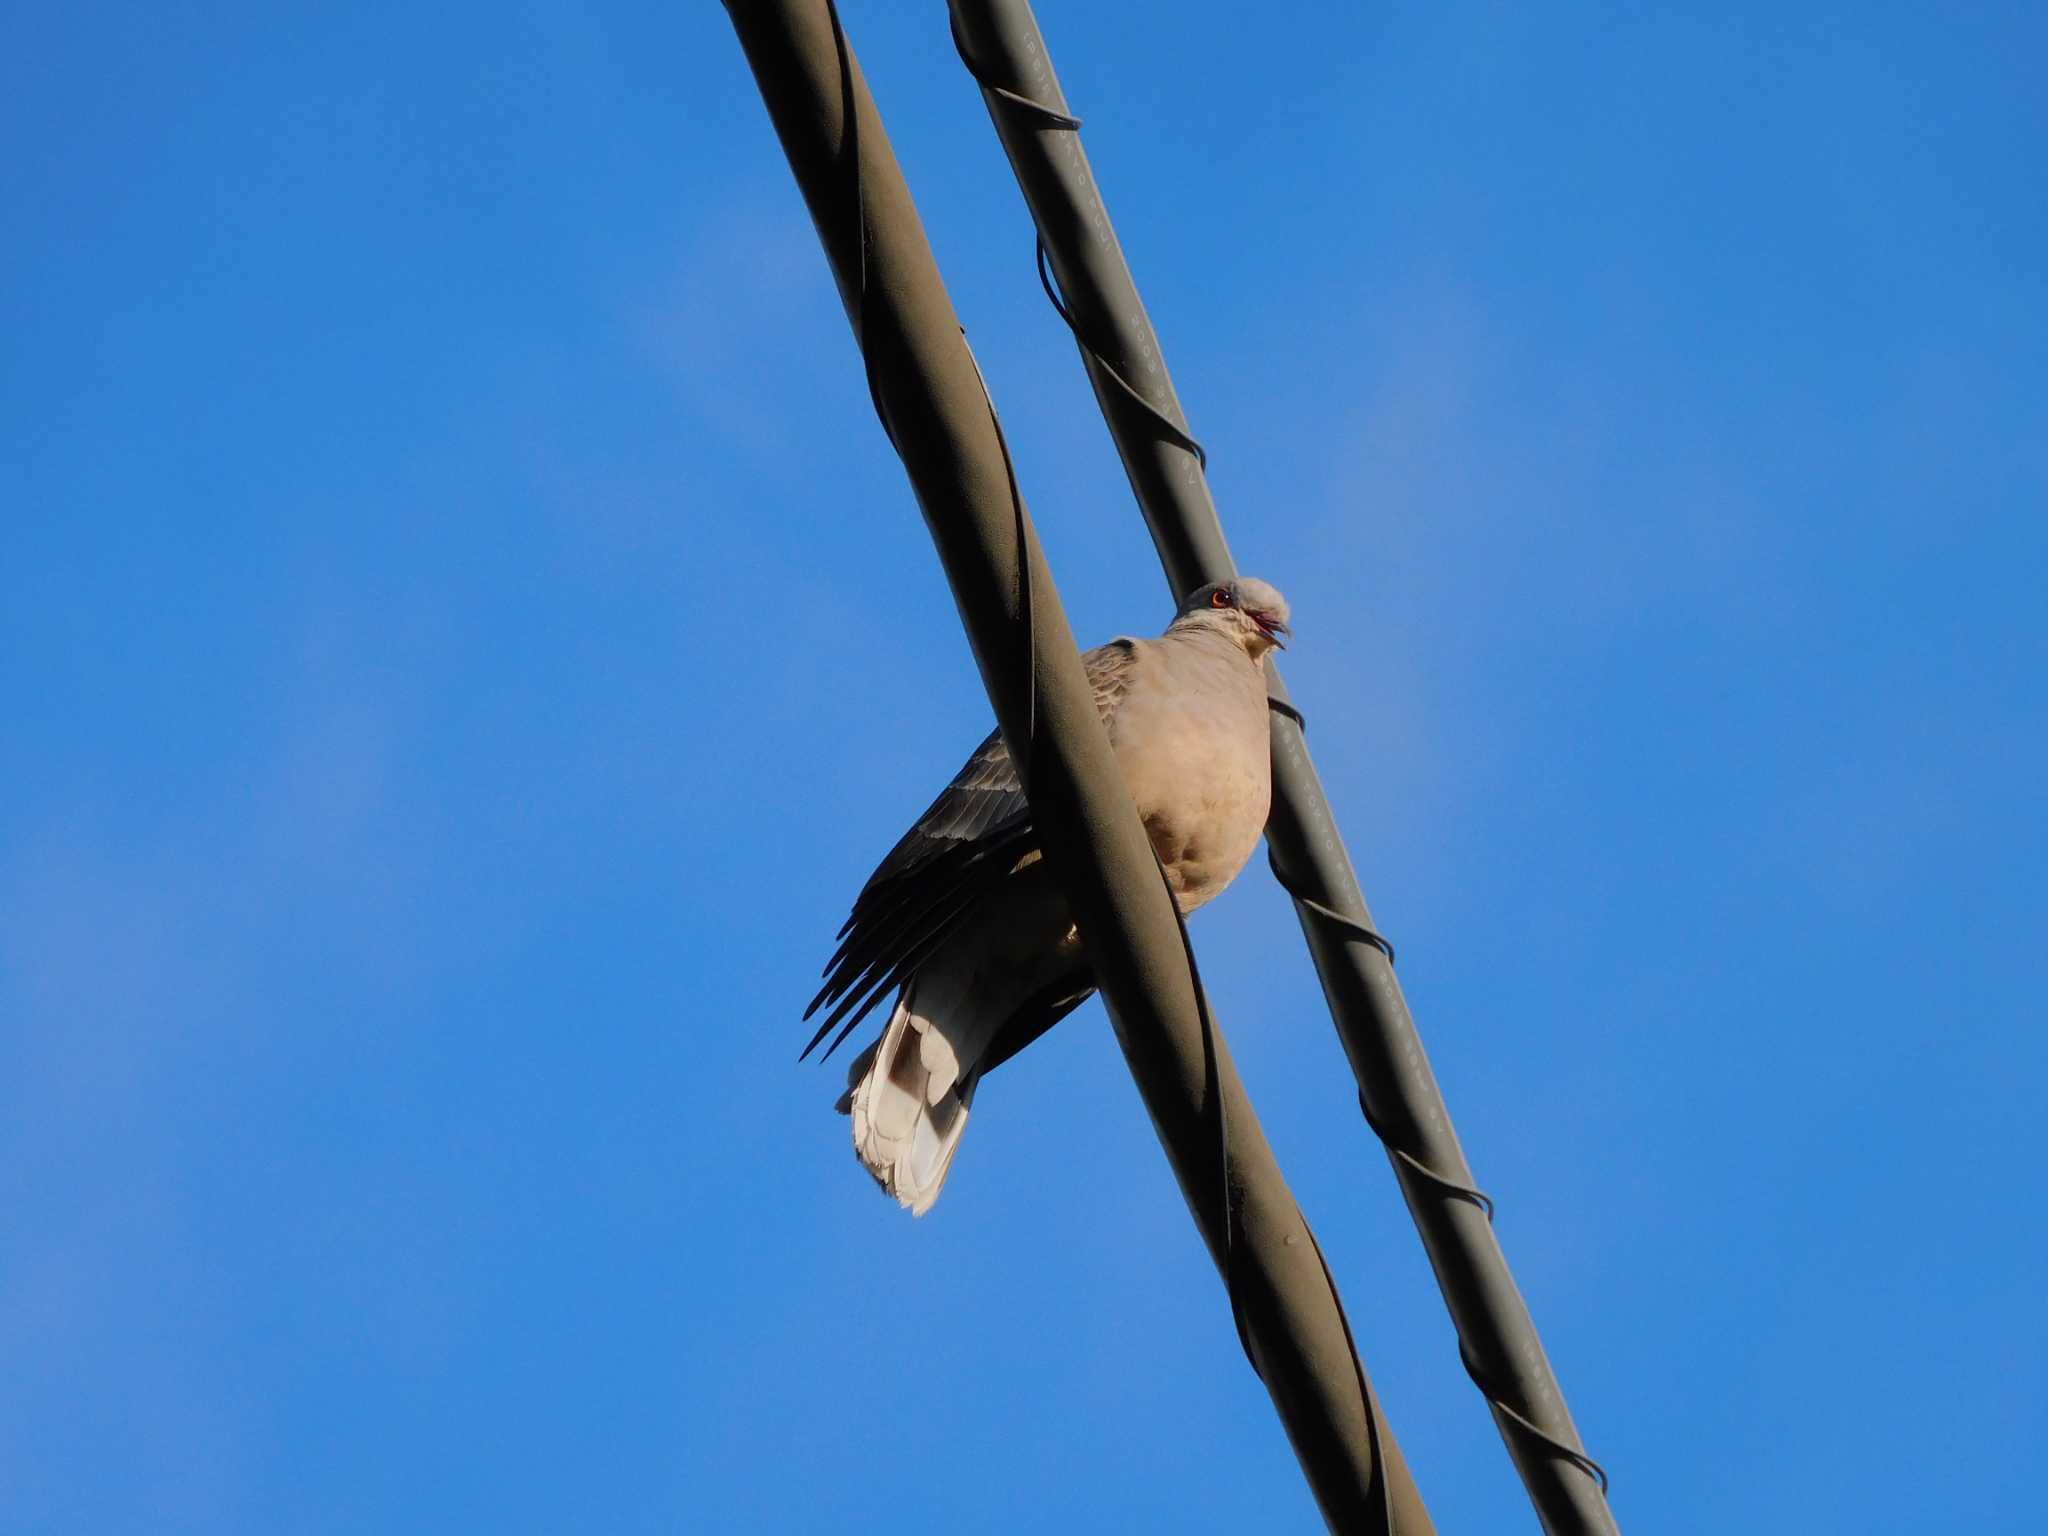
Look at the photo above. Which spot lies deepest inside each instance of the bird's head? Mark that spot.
(1251, 612)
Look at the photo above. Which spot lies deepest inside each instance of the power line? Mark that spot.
(1001, 45)
(937, 413)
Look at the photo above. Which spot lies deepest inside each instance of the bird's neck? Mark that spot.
(1214, 635)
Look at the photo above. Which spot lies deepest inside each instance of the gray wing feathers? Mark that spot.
(964, 844)
(986, 797)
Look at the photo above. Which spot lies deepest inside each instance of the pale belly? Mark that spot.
(1203, 787)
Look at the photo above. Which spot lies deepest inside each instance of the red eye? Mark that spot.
(1220, 598)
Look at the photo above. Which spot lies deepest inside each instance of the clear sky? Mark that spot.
(464, 640)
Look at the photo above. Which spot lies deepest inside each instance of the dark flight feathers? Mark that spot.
(969, 840)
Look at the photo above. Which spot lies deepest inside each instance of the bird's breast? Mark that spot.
(1199, 769)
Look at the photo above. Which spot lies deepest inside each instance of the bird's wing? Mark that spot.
(969, 839)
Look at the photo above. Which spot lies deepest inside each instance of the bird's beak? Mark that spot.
(1272, 629)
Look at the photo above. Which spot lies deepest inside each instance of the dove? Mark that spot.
(965, 926)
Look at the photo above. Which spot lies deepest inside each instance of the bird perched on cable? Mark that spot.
(963, 922)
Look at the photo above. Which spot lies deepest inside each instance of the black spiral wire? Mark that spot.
(1350, 927)
(869, 337)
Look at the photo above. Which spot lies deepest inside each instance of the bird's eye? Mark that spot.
(1220, 598)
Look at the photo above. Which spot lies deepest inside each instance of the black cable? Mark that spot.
(1352, 927)
(871, 339)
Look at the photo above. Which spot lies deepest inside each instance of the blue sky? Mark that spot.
(465, 640)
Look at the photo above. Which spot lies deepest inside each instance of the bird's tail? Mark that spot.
(909, 1094)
